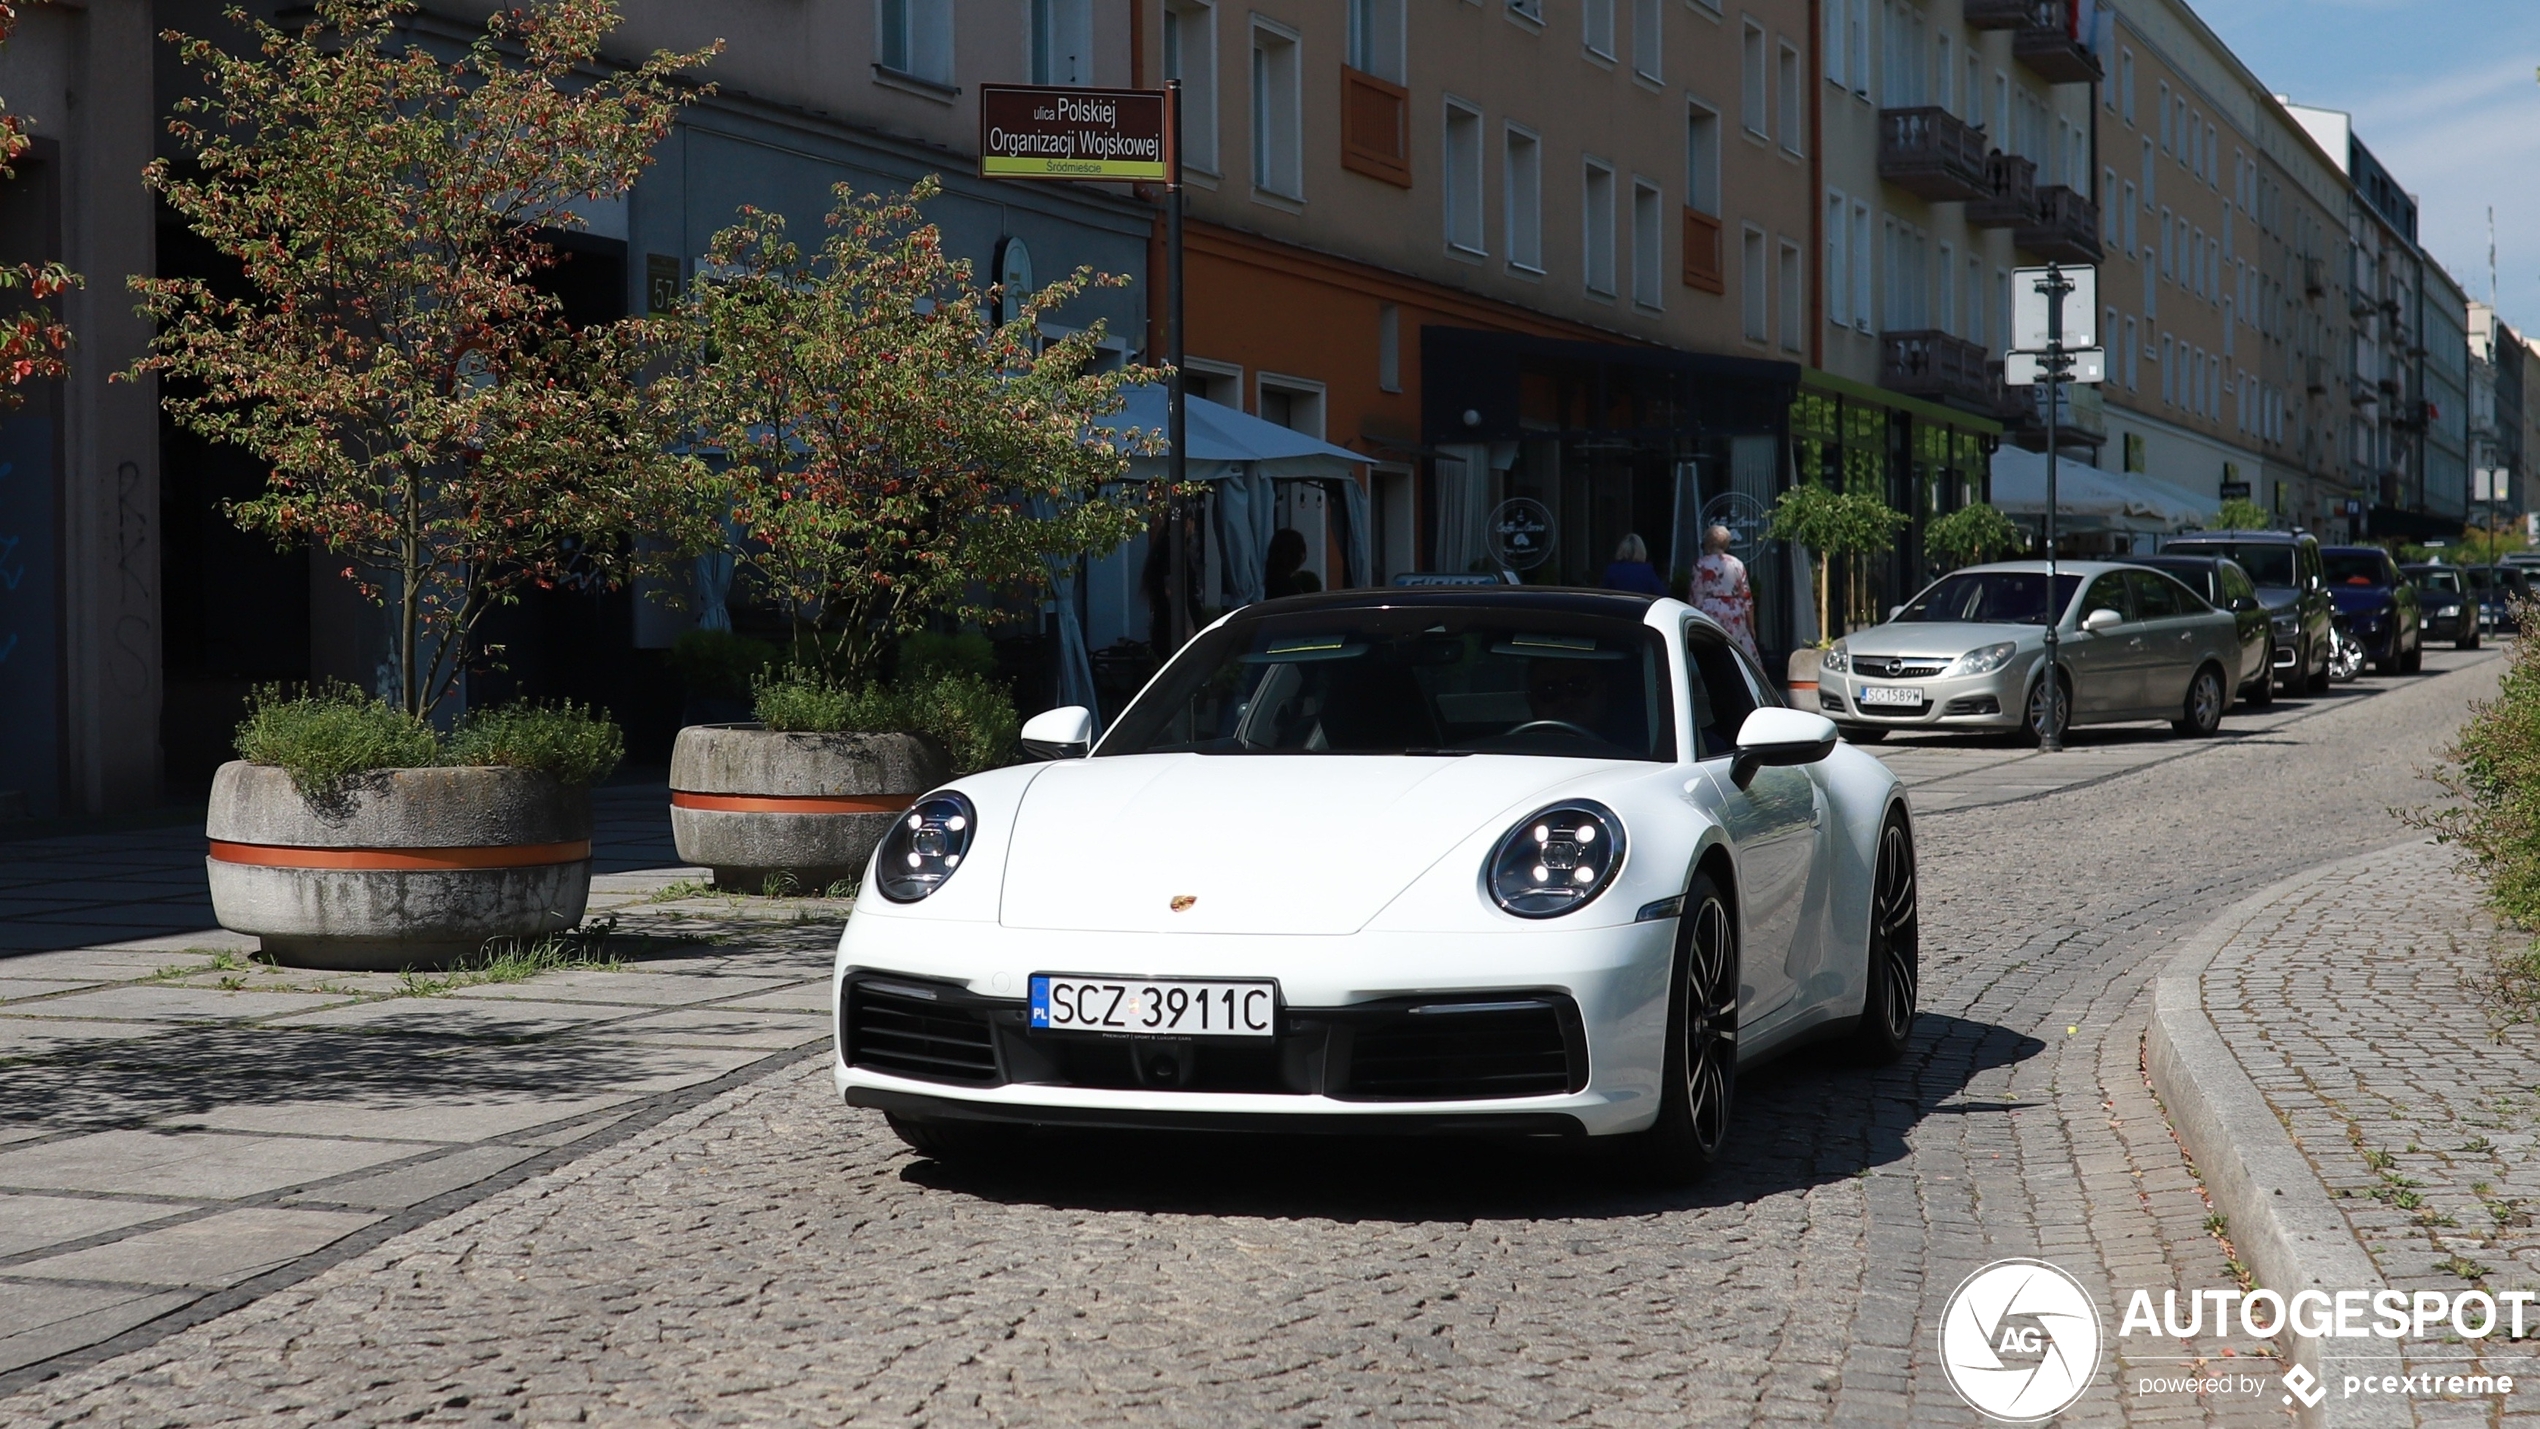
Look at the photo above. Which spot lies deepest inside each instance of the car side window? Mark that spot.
(2236, 587)
(1721, 696)
(2108, 593)
(2156, 596)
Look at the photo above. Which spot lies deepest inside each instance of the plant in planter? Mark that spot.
(1835, 523)
(432, 425)
(1973, 533)
(892, 461)
(351, 834)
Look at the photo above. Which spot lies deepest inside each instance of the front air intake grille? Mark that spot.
(908, 1033)
(1466, 1051)
(1973, 705)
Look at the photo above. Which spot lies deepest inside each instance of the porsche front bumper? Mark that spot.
(1539, 1031)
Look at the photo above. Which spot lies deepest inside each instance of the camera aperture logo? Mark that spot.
(2020, 1341)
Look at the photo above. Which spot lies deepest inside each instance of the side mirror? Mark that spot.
(1780, 737)
(2101, 619)
(1063, 733)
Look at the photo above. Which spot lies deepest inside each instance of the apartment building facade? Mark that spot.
(2498, 453)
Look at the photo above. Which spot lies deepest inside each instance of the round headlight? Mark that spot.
(1983, 661)
(1557, 860)
(924, 847)
(1835, 659)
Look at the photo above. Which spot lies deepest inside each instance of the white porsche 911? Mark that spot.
(1541, 862)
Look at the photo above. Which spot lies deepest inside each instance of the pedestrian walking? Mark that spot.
(1721, 592)
(1631, 570)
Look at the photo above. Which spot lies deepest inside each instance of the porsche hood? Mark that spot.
(1285, 844)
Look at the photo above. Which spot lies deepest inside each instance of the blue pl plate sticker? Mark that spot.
(1040, 1002)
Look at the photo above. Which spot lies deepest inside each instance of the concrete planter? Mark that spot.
(1806, 664)
(751, 802)
(404, 868)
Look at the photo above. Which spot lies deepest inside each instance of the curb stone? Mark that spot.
(2282, 1220)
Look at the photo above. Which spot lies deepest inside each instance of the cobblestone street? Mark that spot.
(769, 1255)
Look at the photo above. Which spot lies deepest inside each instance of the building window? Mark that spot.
(1295, 403)
(1062, 42)
(1649, 51)
(1376, 39)
(1702, 160)
(2165, 116)
(1525, 200)
(1277, 108)
(1834, 40)
(1975, 301)
(2130, 231)
(1190, 55)
(1758, 111)
(1389, 348)
(1529, 11)
(1946, 269)
(1596, 27)
(1648, 244)
(1861, 260)
(1754, 291)
(916, 38)
(2111, 224)
(1838, 263)
(1793, 94)
(1794, 296)
(2125, 85)
(1596, 226)
(1463, 186)
(1856, 46)
(2169, 382)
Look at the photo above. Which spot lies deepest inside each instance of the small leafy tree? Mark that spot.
(1834, 523)
(31, 342)
(888, 453)
(1973, 533)
(2242, 514)
(427, 413)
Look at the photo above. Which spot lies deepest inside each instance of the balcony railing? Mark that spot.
(1703, 268)
(2041, 36)
(1932, 153)
(2066, 230)
(2012, 201)
(1375, 132)
(1941, 367)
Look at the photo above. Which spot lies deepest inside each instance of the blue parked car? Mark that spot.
(2379, 605)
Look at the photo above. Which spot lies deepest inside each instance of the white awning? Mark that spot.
(1223, 439)
(2088, 498)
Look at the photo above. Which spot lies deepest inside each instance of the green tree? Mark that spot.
(31, 342)
(1834, 523)
(1973, 533)
(2241, 514)
(888, 454)
(426, 412)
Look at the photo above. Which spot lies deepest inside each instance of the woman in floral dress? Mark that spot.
(1721, 592)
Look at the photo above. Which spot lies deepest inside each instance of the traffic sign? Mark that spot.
(2027, 369)
(2028, 307)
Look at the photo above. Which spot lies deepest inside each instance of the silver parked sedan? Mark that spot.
(1969, 652)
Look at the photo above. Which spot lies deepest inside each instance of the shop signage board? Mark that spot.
(1031, 131)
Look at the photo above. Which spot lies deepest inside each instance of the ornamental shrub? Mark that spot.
(328, 733)
(2492, 772)
(568, 741)
(1973, 533)
(968, 714)
(2242, 514)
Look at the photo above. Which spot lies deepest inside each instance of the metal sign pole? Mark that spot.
(2051, 737)
(1176, 465)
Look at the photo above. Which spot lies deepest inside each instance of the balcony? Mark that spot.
(1703, 268)
(1375, 133)
(2012, 202)
(2042, 36)
(1932, 154)
(1940, 367)
(2066, 230)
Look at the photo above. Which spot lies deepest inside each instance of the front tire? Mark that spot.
(2033, 724)
(2467, 642)
(1701, 1067)
(1862, 734)
(2262, 693)
(2204, 712)
(2316, 681)
(2416, 657)
(1894, 975)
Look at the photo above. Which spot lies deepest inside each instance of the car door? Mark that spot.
(2257, 645)
(1773, 825)
(2170, 615)
(2105, 666)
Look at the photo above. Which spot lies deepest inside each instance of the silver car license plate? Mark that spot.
(1155, 1007)
(1891, 694)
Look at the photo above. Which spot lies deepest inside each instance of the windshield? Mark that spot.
(2480, 579)
(1411, 680)
(2438, 579)
(2267, 565)
(2355, 568)
(1990, 598)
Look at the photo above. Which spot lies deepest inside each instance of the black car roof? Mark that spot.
(2353, 551)
(1623, 604)
(2164, 558)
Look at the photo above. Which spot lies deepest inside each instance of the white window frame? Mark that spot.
(1755, 101)
(1053, 31)
(1838, 295)
(1649, 245)
(1793, 266)
(1792, 68)
(1379, 39)
(1864, 268)
(1521, 164)
(926, 44)
(1460, 189)
(1702, 157)
(1294, 387)
(1754, 284)
(1196, 68)
(1596, 29)
(1278, 111)
(1649, 40)
(1596, 226)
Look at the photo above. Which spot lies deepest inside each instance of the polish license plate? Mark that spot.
(1891, 695)
(1154, 1007)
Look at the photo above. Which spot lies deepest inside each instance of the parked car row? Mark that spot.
(2181, 635)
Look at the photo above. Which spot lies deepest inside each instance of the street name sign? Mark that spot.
(1030, 131)
(2028, 307)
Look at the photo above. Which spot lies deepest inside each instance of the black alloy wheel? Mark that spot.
(2033, 728)
(2468, 639)
(2261, 693)
(2203, 714)
(1702, 1031)
(1895, 965)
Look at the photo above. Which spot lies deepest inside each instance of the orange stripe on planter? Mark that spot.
(376, 859)
(792, 803)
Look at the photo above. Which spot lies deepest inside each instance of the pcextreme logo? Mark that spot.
(2020, 1341)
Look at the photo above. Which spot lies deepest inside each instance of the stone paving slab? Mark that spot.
(33, 1222)
(207, 1254)
(385, 1115)
(39, 1321)
(179, 1163)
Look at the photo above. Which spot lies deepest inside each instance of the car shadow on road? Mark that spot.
(1802, 1121)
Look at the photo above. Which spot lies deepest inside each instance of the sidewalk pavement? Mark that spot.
(186, 1129)
(2358, 1002)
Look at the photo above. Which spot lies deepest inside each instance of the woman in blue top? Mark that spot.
(1631, 569)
